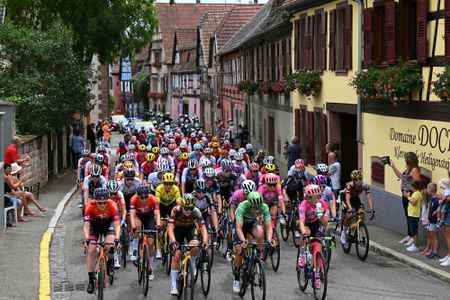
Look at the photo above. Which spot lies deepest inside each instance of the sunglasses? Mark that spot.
(168, 184)
(314, 197)
(101, 202)
(271, 184)
(201, 191)
(188, 208)
(129, 179)
(255, 171)
(95, 176)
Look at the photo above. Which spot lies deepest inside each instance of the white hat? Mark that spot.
(15, 168)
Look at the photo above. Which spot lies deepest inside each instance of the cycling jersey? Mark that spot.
(203, 203)
(212, 186)
(271, 197)
(169, 158)
(178, 219)
(129, 191)
(148, 168)
(237, 198)
(255, 178)
(87, 170)
(294, 188)
(119, 200)
(225, 184)
(210, 157)
(89, 184)
(140, 157)
(144, 209)
(308, 212)
(245, 213)
(180, 167)
(101, 217)
(242, 164)
(327, 194)
(167, 198)
(82, 166)
(154, 180)
(239, 180)
(189, 178)
(355, 190)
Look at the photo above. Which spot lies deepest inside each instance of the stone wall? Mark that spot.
(37, 148)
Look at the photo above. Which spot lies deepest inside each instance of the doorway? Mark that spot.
(271, 137)
(349, 146)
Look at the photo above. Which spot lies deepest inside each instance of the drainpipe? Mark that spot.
(359, 136)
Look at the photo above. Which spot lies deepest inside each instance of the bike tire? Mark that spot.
(145, 269)
(168, 263)
(163, 253)
(284, 229)
(205, 274)
(362, 242)
(259, 282)
(348, 246)
(244, 280)
(138, 262)
(275, 253)
(302, 275)
(180, 280)
(320, 272)
(189, 288)
(101, 278)
(296, 240)
(124, 250)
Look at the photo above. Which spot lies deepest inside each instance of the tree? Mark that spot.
(109, 28)
(43, 77)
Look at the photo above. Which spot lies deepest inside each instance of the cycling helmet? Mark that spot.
(131, 147)
(237, 170)
(142, 148)
(101, 148)
(129, 173)
(215, 145)
(197, 147)
(150, 157)
(226, 164)
(192, 164)
(312, 190)
(255, 199)
(215, 139)
(322, 169)
(300, 164)
(254, 166)
(155, 150)
(177, 152)
(164, 151)
(188, 200)
(113, 186)
(356, 174)
(143, 190)
(132, 156)
(183, 144)
(99, 159)
(168, 178)
(206, 163)
(148, 148)
(242, 150)
(207, 151)
(209, 172)
(271, 178)
(193, 135)
(96, 170)
(128, 165)
(101, 193)
(163, 166)
(200, 185)
(184, 156)
(124, 157)
(85, 153)
(249, 146)
(320, 180)
(232, 153)
(269, 159)
(270, 168)
(238, 156)
(248, 186)
(122, 144)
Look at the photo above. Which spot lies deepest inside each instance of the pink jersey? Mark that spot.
(308, 212)
(237, 198)
(271, 197)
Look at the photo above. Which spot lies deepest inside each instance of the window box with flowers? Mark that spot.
(280, 87)
(441, 86)
(264, 88)
(307, 83)
(247, 86)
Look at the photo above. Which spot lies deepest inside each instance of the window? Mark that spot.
(157, 57)
(408, 29)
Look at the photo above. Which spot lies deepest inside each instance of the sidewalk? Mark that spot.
(20, 246)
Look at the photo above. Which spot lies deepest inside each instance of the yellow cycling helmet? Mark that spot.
(188, 200)
(142, 147)
(184, 156)
(155, 150)
(270, 167)
(128, 165)
(150, 157)
(168, 178)
(215, 139)
(215, 145)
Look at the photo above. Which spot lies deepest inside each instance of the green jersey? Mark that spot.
(245, 213)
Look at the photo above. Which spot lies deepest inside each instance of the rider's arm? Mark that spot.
(239, 231)
(157, 218)
(347, 198)
(86, 226)
(281, 199)
(117, 229)
(369, 200)
(122, 205)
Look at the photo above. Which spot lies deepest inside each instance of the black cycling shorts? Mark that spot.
(95, 229)
(185, 233)
(148, 223)
(164, 211)
(314, 227)
(247, 228)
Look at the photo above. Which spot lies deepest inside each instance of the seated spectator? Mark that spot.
(16, 185)
(10, 195)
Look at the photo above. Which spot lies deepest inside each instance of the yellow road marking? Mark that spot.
(44, 266)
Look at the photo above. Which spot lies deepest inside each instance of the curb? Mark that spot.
(44, 261)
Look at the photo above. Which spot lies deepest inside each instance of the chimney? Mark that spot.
(255, 1)
(197, 1)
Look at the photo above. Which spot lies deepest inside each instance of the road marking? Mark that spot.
(44, 256)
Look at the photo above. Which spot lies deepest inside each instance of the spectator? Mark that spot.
(433, 204)
(91, 136)
(293, 151)
(444, 217)
(77, 147)
(12, 154)
(330, 149)
(411, 173)
(414, 203)
(99, 131)
(245, 136)
(334, 172)
(106, 131)
(10, 198)
(239, 136)
(229, 135)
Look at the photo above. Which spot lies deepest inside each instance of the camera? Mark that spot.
(386, 160)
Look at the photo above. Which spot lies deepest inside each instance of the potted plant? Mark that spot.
(307, 83)
(441, 86)
(280, 87)
(247, 86)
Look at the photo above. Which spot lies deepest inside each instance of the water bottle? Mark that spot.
(319, 212)
(301, 259)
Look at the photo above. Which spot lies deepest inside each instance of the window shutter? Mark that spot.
(310, 138)
(309, 33)
(348, 38)
(422, 6)
(323, 42)
(367, 28)
(332, 45)
(297, 123)
(301, 46)
(296, 48)
(323, 138)
(447, 30)
(390, 30)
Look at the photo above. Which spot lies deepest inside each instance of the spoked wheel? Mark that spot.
(302, 275)
(168, 262)
(124, 251)
(275, 252)
(284, 229)
(362, 242)
(210, 256)
(180, 283)
(145, 270)
(296, 240)
(189, 287)
(163, 253)
(205, 273)
(244, 281)
(138, 263)
(110, 272)
(101, 279)
(258, 283)
(319, 280)
(347, 246)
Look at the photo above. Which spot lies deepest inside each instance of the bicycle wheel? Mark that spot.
(180, 283)
(362, 242)
(168, 263)
(319, 278)
(275, 252)
(189, 286)
(244, 280)
(258, 283)
(124, 250)
(296, 240)
(101, 278)
(138, 262)
(348, 246)
(145, 269)
(205, 273)
(163, 252)
(326, 250)
(302, 275)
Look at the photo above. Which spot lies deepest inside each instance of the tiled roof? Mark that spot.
(233, 21)
(186, 38)
(180, 15)
(207, 25)
(186, 42)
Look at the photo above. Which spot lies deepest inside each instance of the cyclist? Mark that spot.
(253, 173)
(121, 150)
(140, 156)
(117, 197)
(81, 172)
(226, 181)
(212, 187)
(267, 169)
(182, 164)
(247, 223)
(205, 203)
(148, 167)
(352, 191)
(189, 176)
(207, 154)
(272, 194)
(197, 153)
(93, 181)
(322, 169)
(250, 152)
(240, 195)
(246, 158)
(128, 186)
(154, 179)
(101, 217)
(239, 161)
(165, 155)
(182, 225)
(144, 213)
(327, 193)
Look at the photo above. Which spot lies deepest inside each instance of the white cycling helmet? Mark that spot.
(248, 186)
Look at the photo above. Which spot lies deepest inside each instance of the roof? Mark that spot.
(271, 15)
(233, 21)
(207, 26)
(181, 15)
(186, 38)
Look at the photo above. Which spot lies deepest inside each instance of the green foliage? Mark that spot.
(140, 87)
(247, 86)
(43, 77)
(441, 87)
(111, 29)
(366, 82)
(111, 101)
(307, 83)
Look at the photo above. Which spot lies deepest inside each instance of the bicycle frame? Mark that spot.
(185, 256)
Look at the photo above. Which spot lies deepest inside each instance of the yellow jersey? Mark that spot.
(167, 198)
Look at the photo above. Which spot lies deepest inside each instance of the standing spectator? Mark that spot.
(414, 203)
(334, 172)
(12, 154)
(244, 136)
(91, 136)
(293, 151)
(219, 128)
(99, 131)
(77, 147)
(106, 131)
(229, 135)
(411, 173)
(239, 136)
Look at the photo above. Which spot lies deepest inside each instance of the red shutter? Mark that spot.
(309, 42)
(323, 138)
(323, 41)
(348, 38)
(310, 138)
(367, 28)
(297, 123)
(296, 48)
(447, 30)
(332, 58)
(301, 46)
(390, 31)
(422, 6)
